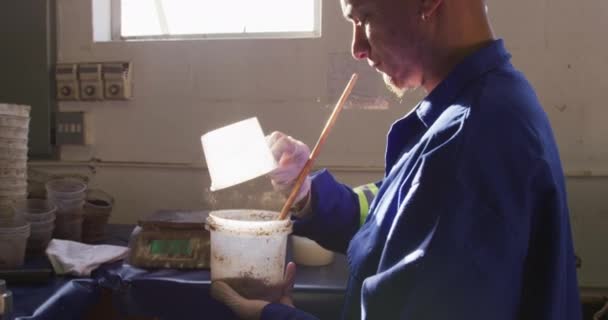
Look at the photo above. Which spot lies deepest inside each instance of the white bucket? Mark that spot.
(248, 251)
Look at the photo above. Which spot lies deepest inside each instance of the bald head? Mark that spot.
(416, 42)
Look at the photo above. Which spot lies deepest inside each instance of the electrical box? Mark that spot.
(117, 80)
(91, 81)
(66, 78)
(71, 128)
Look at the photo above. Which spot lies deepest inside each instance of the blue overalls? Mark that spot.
(470, 220)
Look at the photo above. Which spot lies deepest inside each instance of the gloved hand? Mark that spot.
(252, 309)
(291, 155)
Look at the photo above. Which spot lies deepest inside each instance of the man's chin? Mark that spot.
(395, 88)
(399, 87)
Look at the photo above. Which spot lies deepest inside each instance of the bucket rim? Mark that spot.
(268, 225)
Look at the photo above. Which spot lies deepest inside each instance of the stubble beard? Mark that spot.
(399, 91)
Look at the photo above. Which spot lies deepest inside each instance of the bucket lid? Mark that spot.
(248, 222)
(237, 153)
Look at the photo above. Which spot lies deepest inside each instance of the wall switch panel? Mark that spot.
(66, 78)
(71, 128)
(117, 80)
(91, 82)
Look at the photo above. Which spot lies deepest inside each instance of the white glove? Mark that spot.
(291, 155)
(252, 309)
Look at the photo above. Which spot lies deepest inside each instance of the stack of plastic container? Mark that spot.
(13, 241)
(41, 215)
(68, 195)
(14, 126)
(14, 230)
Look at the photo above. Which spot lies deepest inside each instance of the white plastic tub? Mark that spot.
(248, 251)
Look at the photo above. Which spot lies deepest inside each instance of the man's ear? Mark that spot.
(428, 8)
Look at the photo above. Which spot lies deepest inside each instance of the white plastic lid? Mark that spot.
(237, 153)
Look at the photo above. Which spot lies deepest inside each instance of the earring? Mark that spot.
(424, 17)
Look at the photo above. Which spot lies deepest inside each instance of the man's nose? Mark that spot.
(360, 46)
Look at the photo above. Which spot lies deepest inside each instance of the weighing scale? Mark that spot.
(171, 239)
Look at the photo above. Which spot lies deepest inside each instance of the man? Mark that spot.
(470, 220)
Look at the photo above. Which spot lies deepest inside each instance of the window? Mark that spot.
(171, 19)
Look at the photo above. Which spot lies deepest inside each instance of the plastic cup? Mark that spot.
(68, 227)
(248, 251)
(13, 173)
(17, 110)
(97, 210)
(7, 143)
(68, 206)
(13, 154)
(13, 196)
(13, 241)
(13, 132)
(13, 164)
(36, 210)
(43, 224)
(14, 121)
(237, 153)
(40, 236)
(13, 182)
(65, 189)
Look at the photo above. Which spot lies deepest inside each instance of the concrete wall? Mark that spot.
(147, 151)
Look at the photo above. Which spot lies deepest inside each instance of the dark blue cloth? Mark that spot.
(70, 301)
(471, 219)
(163, 293)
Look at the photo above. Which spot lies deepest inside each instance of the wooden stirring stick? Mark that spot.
(315, 152)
